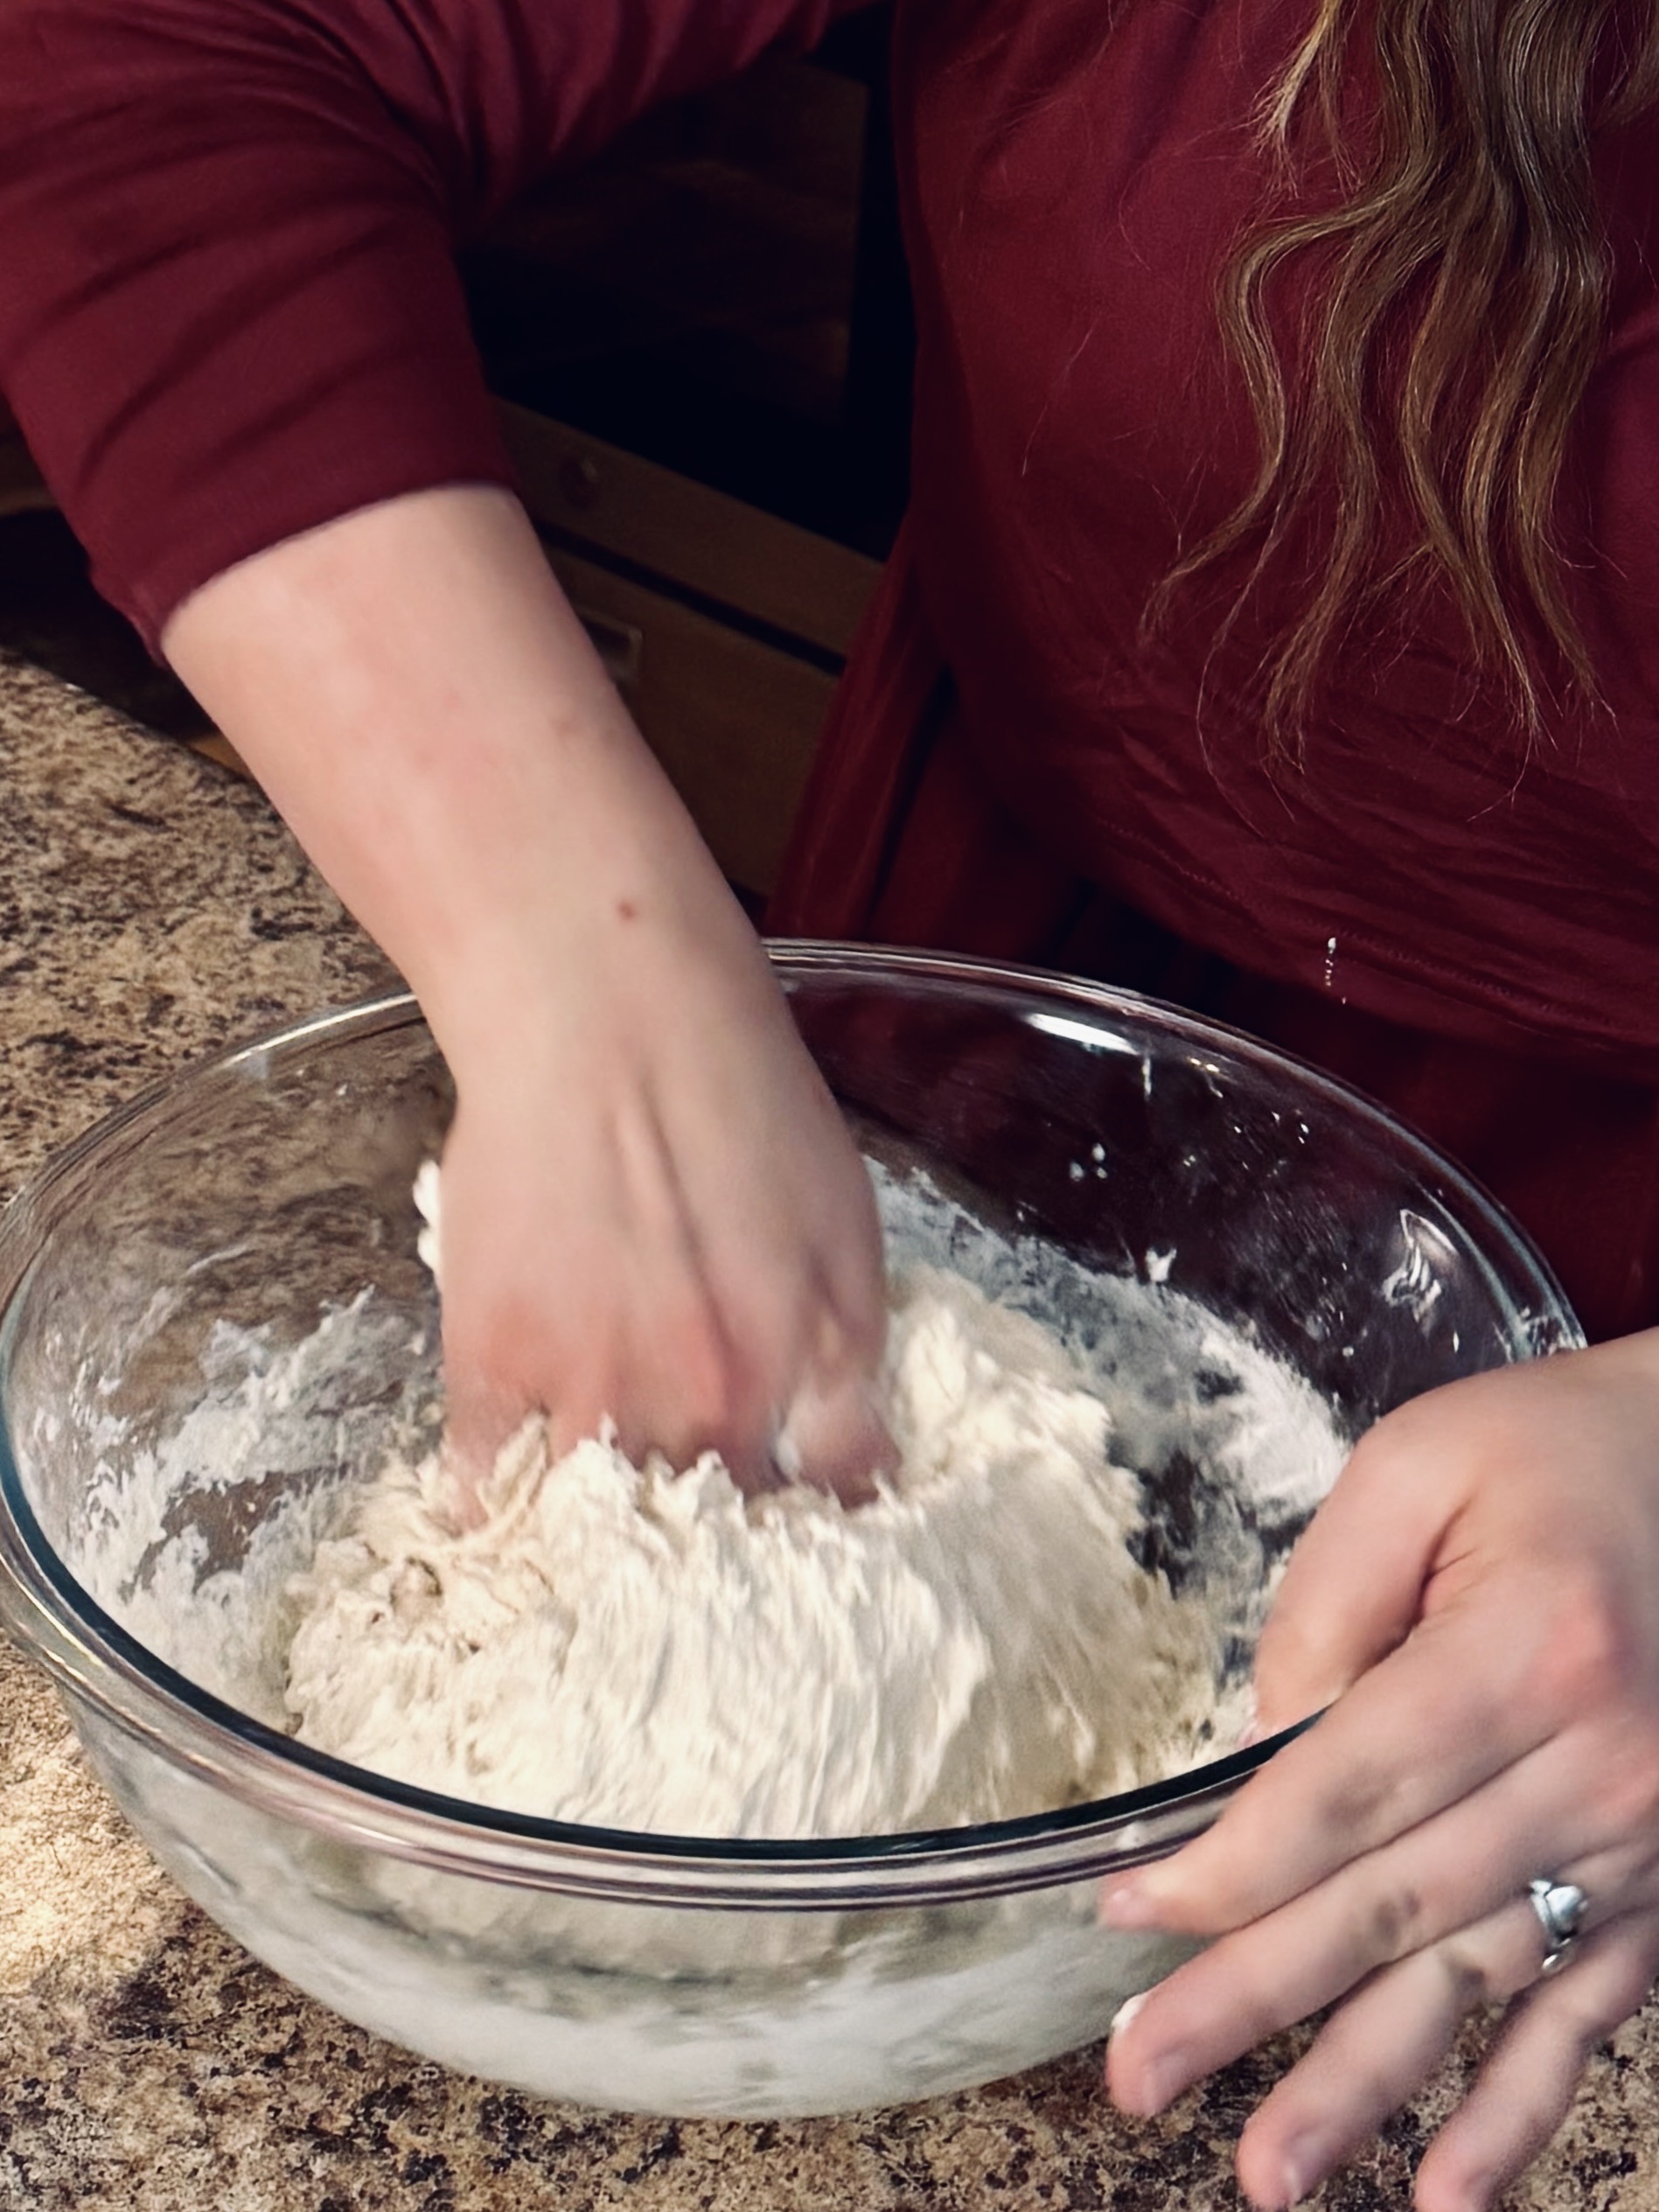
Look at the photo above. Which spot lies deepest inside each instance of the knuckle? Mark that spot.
(499, 1331)
(1628, 1790)
(1586, 1655)
(1364, 1805)
(1586, 2020)
(1397, 1922)
(1475, 1982)
(1392, 1453)
(1241, 2011)
(1630, 1979)
(1383, 1448)
(1295, 1644)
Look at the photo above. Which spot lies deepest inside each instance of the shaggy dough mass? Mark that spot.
(648, 1651)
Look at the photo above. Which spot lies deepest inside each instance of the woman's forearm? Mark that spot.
(414, 692)
(652, 1212)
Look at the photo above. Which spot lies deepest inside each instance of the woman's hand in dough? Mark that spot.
(1477, 1605)
(651, 1209)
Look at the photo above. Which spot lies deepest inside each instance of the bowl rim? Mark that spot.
(102, 1670)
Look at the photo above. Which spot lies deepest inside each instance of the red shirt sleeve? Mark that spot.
(229, 309)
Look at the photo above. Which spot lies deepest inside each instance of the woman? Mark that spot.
(1291, 655)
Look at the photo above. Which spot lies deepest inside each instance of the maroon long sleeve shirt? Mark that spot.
(228, 312)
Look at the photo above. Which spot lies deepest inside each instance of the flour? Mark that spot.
(647, 1649)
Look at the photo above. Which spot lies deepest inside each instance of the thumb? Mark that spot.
(1354, 1589)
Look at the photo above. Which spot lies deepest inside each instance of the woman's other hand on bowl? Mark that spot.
(1478, 1605)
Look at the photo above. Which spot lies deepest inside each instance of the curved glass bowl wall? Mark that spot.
(242, 1203)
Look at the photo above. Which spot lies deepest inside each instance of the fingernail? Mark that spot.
(1300, 2174)
(1481, 2189)
(1127, 1904)
(1161, 2082)
(1126, 2011)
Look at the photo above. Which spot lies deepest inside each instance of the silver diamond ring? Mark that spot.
(1561, 1907)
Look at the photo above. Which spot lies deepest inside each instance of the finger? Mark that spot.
(833, 1434)
(835, 1440)
(1429, 1726)
(654, 1351)
(1409, 1902)
(1527, 2084)
(1353, 1588)
(479, 1418)
(1372, 2057)
(747, 1340)
(1425, 1889)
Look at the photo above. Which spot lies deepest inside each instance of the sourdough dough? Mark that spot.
(648, 1651)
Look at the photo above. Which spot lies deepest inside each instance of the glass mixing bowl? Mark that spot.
(1232, 1243)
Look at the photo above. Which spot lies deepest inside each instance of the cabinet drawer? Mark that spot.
(698, 540)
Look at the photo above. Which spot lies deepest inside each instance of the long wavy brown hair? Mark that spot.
(1419, 345)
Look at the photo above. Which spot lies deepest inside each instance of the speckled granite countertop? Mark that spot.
(152, 908)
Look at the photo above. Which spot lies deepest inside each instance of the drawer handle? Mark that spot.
(620, 645)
